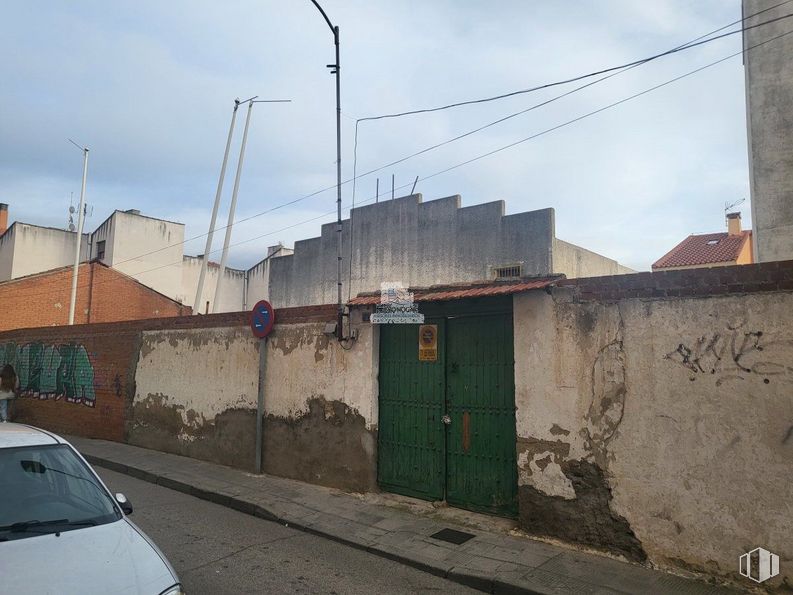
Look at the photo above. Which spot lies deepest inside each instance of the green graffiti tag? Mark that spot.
(52, 371)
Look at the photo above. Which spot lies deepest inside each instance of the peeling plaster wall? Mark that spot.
(321, 406)
(196, 394)
(658, 429)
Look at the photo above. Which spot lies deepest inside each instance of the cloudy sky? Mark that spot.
(149, 87)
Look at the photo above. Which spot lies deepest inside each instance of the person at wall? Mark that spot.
(8, 384)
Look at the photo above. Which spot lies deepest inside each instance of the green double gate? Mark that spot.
(447, 427)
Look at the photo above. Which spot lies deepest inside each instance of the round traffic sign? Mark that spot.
(262, 319)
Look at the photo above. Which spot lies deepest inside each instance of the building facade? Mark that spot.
(422, 243)
(769, 105)
(403, 240)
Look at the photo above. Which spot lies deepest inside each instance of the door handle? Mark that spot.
(446, 420)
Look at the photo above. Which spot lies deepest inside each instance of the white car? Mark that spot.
(61, 530)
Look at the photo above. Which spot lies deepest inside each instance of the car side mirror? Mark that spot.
(125, 504)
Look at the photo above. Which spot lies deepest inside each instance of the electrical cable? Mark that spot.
(355, 177)
(492, 152)
(583, 76)
(620, 70)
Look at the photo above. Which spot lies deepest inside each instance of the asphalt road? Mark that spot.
(217, 550)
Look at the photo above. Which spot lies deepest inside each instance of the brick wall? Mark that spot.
(80, 379)
(103, 295)
(737, 279)
(79, 384)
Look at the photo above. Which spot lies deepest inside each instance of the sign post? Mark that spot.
(262, 321)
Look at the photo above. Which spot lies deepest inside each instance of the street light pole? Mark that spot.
(80, 222)
(335, 69)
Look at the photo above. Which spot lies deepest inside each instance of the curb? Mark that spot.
(474, 581)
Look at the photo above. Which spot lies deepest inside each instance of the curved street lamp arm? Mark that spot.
(333, 29)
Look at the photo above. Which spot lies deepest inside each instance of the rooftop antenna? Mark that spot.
(416, 181)
(730, 206)
(377, 191)
(70, 226)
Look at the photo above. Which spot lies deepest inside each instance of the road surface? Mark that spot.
(217, 550)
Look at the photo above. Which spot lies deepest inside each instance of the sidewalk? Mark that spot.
(490, 561)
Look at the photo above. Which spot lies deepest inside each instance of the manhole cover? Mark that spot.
(452, 536)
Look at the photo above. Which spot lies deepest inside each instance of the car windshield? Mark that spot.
(49, 489)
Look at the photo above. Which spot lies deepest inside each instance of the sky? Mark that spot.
(149, 87)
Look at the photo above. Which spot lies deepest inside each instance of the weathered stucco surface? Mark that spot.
(658, 427)
(196, 394)
(321, 404)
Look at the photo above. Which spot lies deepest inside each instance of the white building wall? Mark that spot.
(258, 286)
(149, 250)
(29, 249)
(232, 292)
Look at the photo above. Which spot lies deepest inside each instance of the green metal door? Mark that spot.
(469, 461)
(411, 431)
(481, 469)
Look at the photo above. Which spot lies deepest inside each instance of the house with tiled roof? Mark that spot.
(711, 249)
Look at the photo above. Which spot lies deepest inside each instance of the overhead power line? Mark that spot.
(489, 153)
(615, 71)
(591, 74)
(687, 45)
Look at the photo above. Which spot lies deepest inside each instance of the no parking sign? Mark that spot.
(262, 319)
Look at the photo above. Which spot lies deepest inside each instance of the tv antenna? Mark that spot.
(730, 206)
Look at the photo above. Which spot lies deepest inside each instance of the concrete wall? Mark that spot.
(769, 103)
(320, 399)
(321, 404)
(150, 250)
(189, 385)
(231, 292)
(657, 429)
(574, 261)
(416, 243)
(258, 276)
(29, 249)
(196, 394)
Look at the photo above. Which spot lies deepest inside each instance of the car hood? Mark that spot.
(111, 558)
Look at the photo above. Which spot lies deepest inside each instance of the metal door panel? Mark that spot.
(411, 434)
(481, 471)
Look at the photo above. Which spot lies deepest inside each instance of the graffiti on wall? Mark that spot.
(736, 354)
(52, 371)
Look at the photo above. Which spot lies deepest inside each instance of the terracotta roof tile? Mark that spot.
(709, 248)
(438, 293)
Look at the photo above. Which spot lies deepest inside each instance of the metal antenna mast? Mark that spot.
(79, 241)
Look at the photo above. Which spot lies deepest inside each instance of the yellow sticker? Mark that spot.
(428, 342)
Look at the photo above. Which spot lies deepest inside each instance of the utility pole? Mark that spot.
(234, 193)
(232, 208)
(80, 222)
(213, 220)
(335, 69)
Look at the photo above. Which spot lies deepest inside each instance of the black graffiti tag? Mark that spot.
(730, 356)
